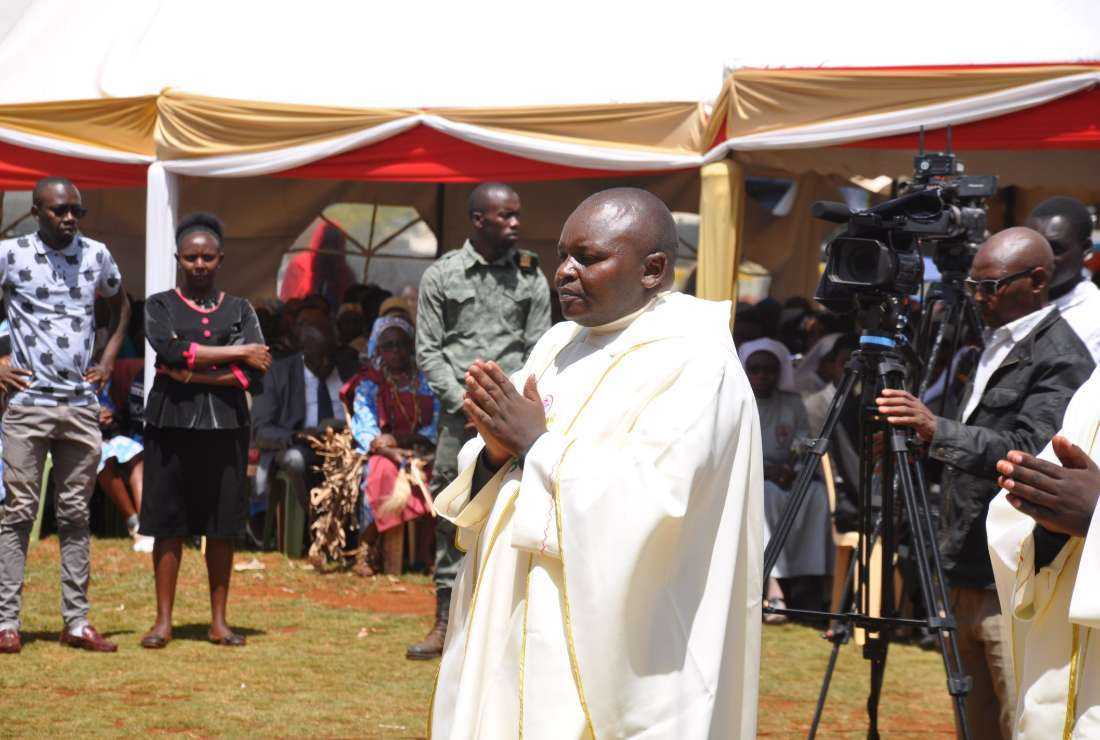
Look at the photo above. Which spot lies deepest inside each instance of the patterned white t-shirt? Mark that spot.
(50, 296)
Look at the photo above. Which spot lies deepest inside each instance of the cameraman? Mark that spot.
(1031, 365)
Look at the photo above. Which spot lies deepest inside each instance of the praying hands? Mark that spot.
(509, 422)
(1061, 498)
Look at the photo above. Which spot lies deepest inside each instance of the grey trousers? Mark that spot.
(70, 434)
(452, 435)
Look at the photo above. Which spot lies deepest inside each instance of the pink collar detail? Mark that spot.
(195, 307)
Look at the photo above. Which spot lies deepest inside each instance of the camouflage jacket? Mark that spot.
(471, 309)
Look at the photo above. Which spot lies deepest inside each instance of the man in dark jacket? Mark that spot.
(301, 396)
(1031, 365)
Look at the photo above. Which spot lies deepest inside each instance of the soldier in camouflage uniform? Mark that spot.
(486, 301)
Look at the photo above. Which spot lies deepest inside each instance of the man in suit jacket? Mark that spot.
(301, 396)
(1031, 365)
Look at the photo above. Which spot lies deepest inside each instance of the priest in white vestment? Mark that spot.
(610, 510)
(1046, 561)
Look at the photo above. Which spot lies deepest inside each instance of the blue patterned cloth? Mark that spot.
(364, 419)
(364, 426)
(123, 449)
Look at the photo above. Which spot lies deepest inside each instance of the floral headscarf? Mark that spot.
(369, 356)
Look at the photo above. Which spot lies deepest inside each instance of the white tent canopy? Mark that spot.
(491, 53)
(867, 33)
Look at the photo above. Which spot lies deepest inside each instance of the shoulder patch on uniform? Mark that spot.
(526, 260)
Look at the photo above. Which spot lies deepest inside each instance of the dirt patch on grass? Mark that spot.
(411, 600)
(261, 592)
(383, 598)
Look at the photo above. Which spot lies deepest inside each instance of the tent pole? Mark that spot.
(370, 242)
(721, 211)
(161, 216)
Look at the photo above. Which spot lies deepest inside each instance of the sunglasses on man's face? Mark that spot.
(65, 209)
(991, 287)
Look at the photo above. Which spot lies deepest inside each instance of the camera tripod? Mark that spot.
(958, 317)
(879, 364)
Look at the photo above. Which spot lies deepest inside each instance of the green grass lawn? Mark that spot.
(326, 658)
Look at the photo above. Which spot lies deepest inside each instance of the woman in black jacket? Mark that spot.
(210, 351)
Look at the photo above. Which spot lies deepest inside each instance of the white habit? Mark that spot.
(1052, 616)
(611, 586)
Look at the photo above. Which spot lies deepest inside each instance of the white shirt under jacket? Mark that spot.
(611, 587)
(1050, 613)
(998, 343)
(1081, 309)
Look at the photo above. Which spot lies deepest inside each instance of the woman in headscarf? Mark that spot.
(394, 419)
(808, 549)
(807, 379)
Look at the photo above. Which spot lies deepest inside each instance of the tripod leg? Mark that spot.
(841, 634)
(801, 488)
(958, 683)
(929, 569)
(876, 650)
(824, 693)
(937, 346)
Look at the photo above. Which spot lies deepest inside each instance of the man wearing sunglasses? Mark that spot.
(1067, 225)
(50, 280)
(1029, 369)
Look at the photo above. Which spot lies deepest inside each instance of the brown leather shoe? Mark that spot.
(10, 642)
(89, 639)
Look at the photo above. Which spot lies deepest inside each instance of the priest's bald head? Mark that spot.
(1010, 276)
(617, 251)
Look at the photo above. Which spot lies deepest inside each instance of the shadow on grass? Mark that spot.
(199, 631)
(55, 635)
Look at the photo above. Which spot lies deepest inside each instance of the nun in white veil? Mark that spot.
(784, 428)
(806, 379)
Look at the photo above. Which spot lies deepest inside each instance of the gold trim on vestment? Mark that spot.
(523, 641)
(566, 613)
(1076, 653)
(431, 699)
(480, 562)
(1074, 677)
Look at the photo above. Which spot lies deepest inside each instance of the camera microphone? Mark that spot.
(827, 210)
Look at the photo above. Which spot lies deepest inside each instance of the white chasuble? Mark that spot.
(611, 585)
(1052, 615)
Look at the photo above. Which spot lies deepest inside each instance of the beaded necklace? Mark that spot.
(400, 406)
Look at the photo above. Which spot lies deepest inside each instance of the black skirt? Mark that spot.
(195, 482)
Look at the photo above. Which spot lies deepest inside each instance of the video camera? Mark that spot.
(879, 255)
